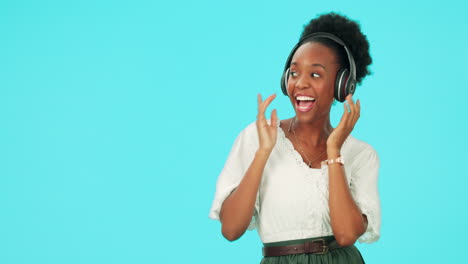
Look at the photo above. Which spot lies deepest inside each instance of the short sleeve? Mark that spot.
(364, 189)
(237, 163)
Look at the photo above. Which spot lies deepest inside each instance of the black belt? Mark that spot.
(317, 246)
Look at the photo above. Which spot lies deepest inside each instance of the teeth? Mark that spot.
(304, 98)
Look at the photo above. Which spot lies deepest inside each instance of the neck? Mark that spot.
(315, 132)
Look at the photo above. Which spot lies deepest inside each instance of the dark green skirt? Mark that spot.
(348, 255)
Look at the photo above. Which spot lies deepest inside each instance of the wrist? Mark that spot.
(338, 161)
(263, 152)
(333, 153)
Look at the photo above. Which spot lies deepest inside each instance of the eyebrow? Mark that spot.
(314, 64)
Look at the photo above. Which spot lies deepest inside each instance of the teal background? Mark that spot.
(117, 117)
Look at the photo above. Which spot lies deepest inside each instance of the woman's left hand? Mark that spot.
(344, 128)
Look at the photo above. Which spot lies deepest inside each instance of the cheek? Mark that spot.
(290, 87)
(327, 87)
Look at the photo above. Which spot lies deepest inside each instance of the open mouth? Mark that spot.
(304, 103)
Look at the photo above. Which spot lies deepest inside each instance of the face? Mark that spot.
(311, 82)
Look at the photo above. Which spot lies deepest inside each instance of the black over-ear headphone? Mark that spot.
(345, 79)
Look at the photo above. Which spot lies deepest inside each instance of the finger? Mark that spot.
(274, 118)
(349, 100)
(348, 97)
(267, 102)
(259, 100)
(358, 110)
(260, 115)
(263, 105)
(346, 106)
(357, 107)
(344, 117)
(354, 113)
(354, 105)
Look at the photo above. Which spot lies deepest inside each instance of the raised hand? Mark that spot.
(266, 133)
(346, 125)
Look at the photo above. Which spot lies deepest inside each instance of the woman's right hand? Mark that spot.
(266, 133)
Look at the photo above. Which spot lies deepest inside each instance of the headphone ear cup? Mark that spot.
(341, 85)
(284, 82)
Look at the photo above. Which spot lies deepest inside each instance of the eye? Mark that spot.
(293, 73)
(315, 75)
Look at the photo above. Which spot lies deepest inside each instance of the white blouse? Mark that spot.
(292, 201)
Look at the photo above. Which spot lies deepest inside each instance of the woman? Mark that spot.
(310, 189)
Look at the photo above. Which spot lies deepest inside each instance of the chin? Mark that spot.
(306, 117)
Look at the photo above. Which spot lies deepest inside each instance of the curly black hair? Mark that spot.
(349, 32)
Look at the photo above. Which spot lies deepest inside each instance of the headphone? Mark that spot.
(345, 79)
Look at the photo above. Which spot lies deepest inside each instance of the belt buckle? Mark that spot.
(324, 246)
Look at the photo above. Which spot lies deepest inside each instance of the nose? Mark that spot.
(302, 82)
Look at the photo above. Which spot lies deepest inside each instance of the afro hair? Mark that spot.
(350, 33)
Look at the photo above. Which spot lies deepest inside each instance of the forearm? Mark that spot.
(237, 210)
(347, 220)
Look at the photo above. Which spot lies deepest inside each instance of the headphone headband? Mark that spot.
(348, 80)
